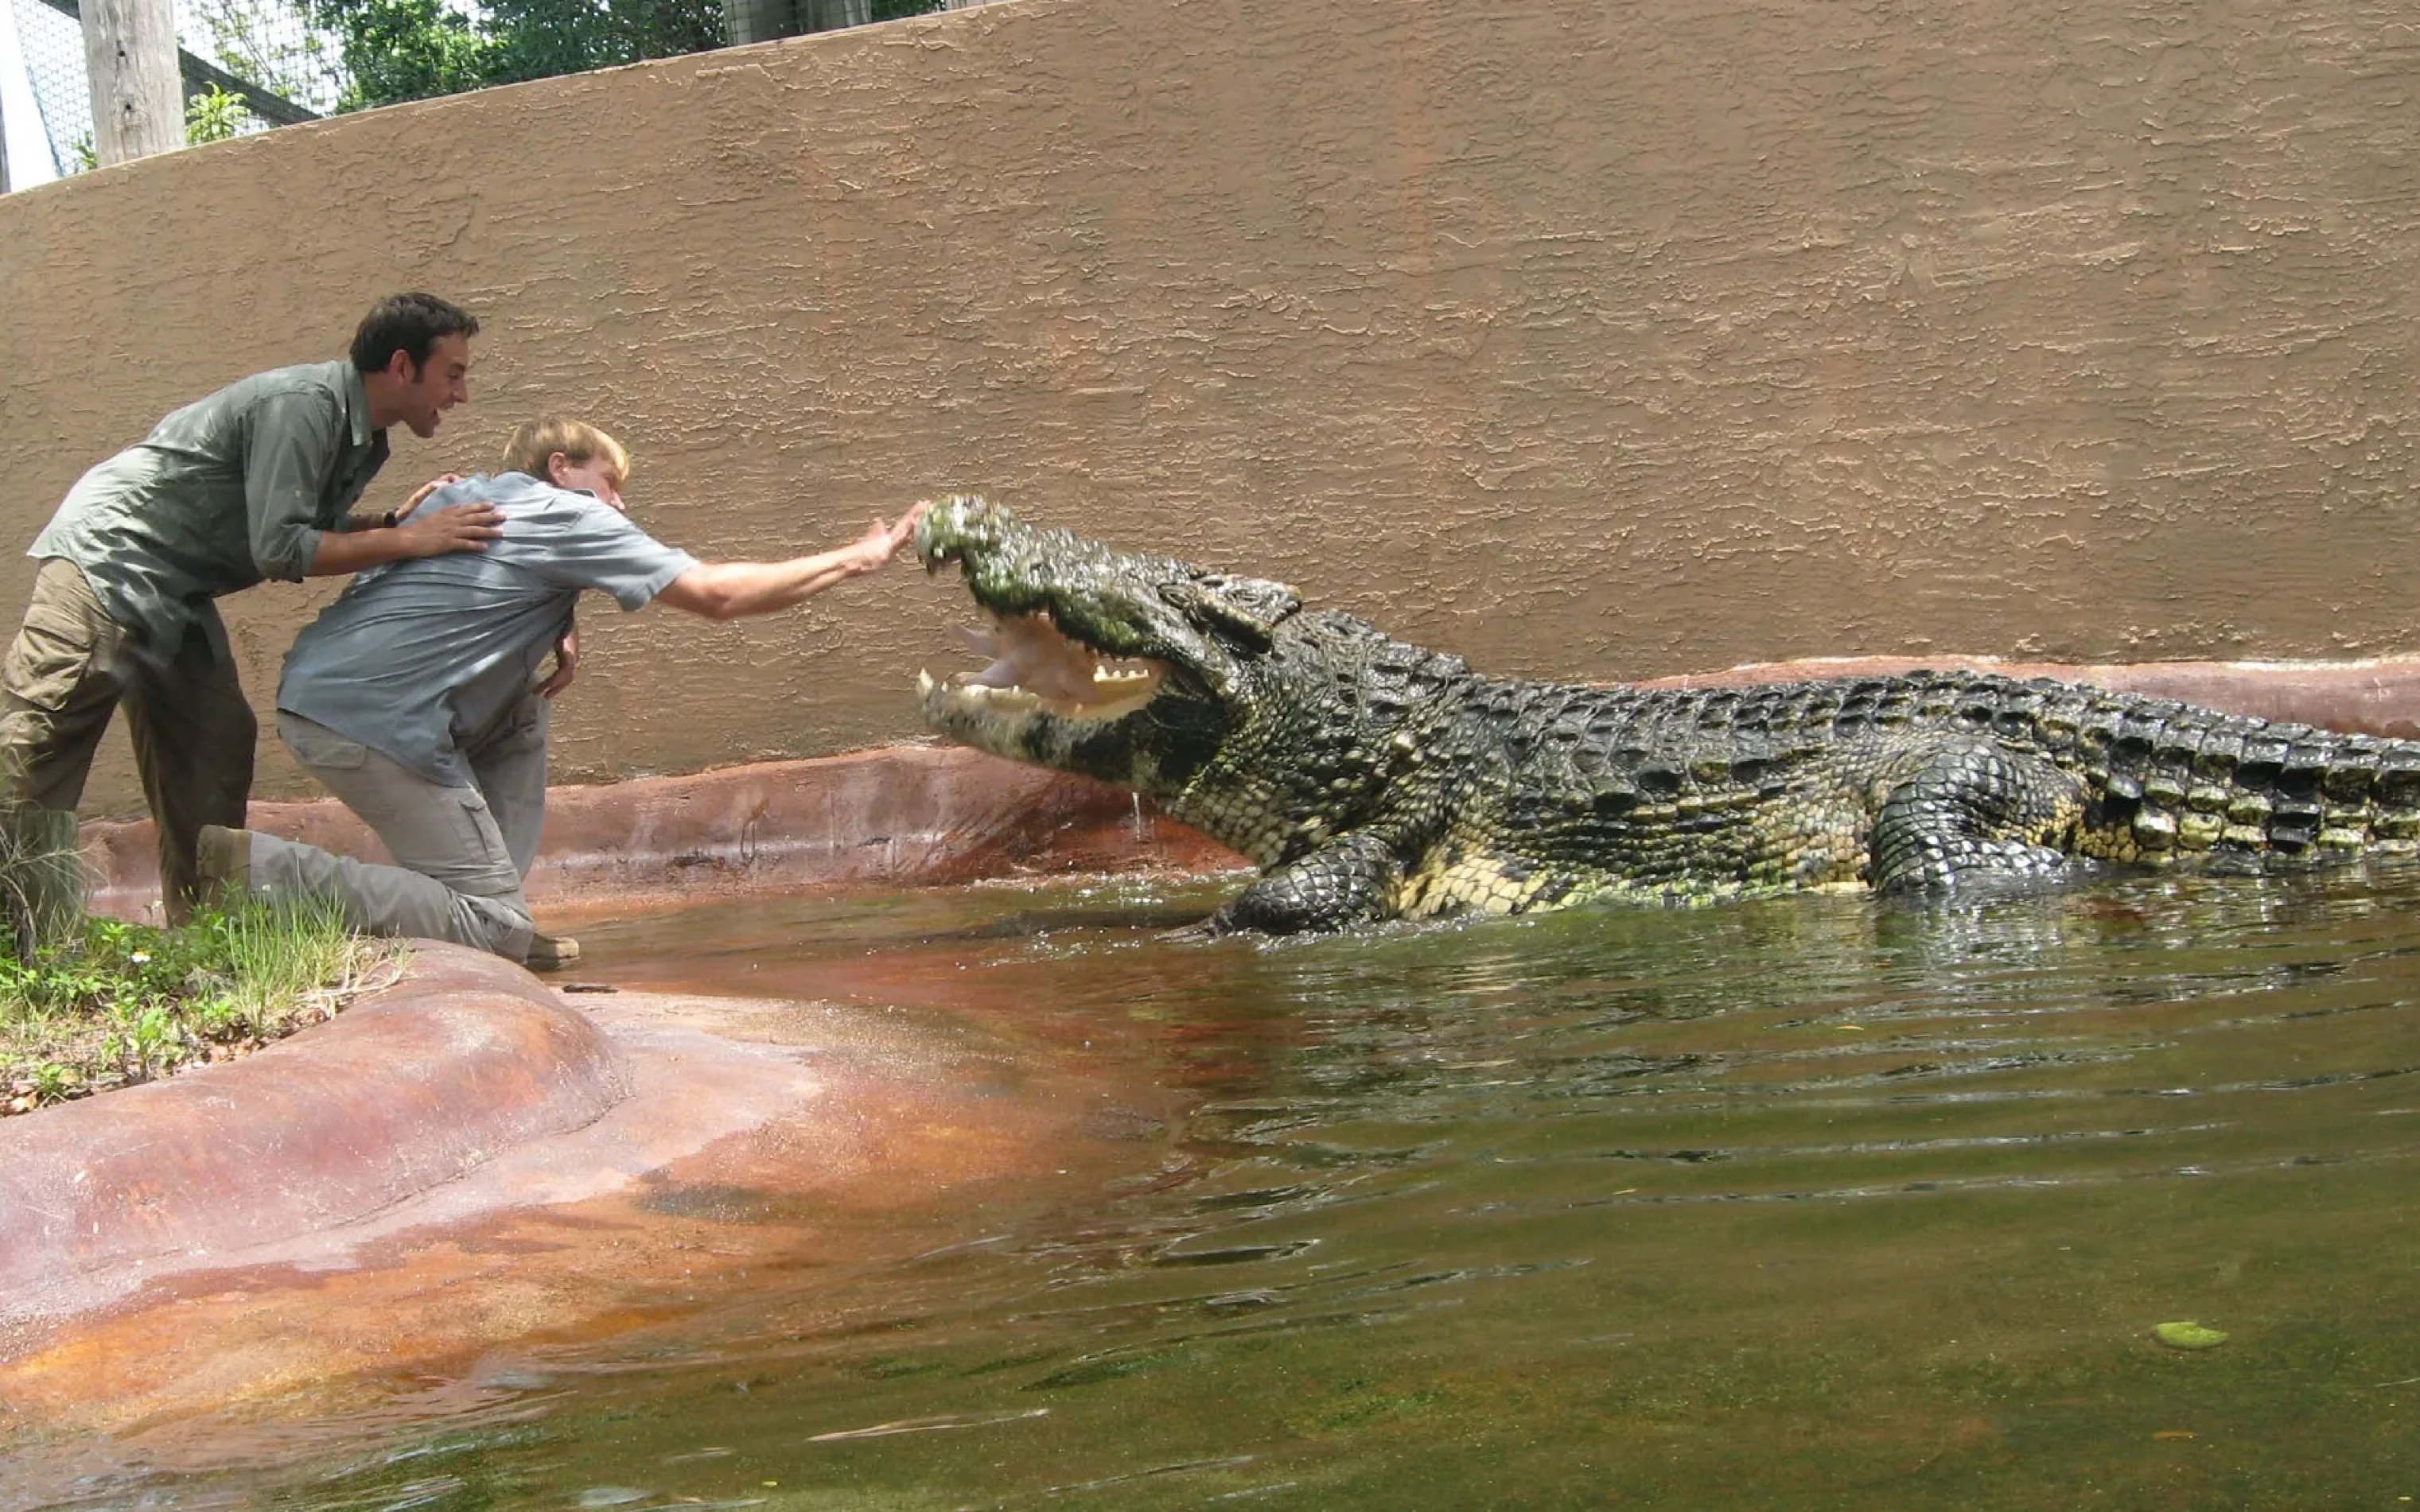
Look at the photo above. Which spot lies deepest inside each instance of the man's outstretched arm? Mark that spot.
(732, 590)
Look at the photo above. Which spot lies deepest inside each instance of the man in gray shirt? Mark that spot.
(417, 696)
(254, 482)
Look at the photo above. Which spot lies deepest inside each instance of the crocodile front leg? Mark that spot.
(1975, 811)
(1350, 882)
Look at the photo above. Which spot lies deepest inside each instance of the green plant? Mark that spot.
(42, 1083)
(146, 1040)
(215, 114)
(120, 1002)
(43, 882)
(288, 952)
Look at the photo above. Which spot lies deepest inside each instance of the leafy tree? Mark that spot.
(399, 49)
(541, 38)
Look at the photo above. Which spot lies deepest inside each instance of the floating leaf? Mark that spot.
(2188, 1337)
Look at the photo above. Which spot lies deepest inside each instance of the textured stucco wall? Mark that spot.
(1601, 340)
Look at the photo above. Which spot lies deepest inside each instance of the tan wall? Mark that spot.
(1605, 340)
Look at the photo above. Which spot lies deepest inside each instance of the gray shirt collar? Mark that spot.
(357, 406)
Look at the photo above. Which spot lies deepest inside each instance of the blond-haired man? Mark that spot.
(420, 697)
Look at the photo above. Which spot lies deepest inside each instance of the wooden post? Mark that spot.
(130, 55)
(833, 15)
(761, 21)
(757, 21)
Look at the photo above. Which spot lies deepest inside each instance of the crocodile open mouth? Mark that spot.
(1033, 668)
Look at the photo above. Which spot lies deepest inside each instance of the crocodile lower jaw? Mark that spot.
(1118, 693)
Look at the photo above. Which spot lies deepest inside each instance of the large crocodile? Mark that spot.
(1372, 779)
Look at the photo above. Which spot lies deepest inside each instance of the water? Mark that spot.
(1805, 1203)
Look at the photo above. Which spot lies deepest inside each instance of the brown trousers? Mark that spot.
(70, 667)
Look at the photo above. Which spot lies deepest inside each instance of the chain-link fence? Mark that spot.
(269, 45)
(52, 47)
(247, 64)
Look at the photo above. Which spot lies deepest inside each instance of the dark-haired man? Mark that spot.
(254, 482)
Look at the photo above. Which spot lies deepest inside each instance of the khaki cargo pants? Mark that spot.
(70, 667)
(460, 852)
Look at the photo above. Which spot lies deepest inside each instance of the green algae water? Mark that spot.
(1815, 1202)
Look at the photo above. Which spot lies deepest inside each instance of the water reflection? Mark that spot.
(1802, 1202)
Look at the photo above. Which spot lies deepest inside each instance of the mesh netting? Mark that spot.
(264, 63)
(265, 52)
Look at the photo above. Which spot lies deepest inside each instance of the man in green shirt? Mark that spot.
(254, 482)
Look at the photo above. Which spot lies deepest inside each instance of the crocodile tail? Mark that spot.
(2177, 779)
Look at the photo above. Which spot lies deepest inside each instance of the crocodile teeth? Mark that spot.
(1032, 665)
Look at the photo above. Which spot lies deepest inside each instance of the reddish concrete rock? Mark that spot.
(907, 816)
(411, 1087)
(763, 1138)
(911, 816)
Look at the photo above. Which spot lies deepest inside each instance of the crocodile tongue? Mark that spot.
(1033, 656)
(1030, 655)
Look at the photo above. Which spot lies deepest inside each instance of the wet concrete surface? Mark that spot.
(805, 1133)
(420, 1083)
(477, 1159)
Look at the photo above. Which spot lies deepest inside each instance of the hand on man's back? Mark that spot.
(454, 528)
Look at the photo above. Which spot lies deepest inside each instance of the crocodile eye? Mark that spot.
(1213, 613)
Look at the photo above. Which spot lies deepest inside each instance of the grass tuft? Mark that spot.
(117, 1003)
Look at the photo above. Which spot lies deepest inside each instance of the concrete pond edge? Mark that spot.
(413, 1085)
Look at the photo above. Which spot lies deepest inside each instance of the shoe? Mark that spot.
(551, 952)
(222, 865)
